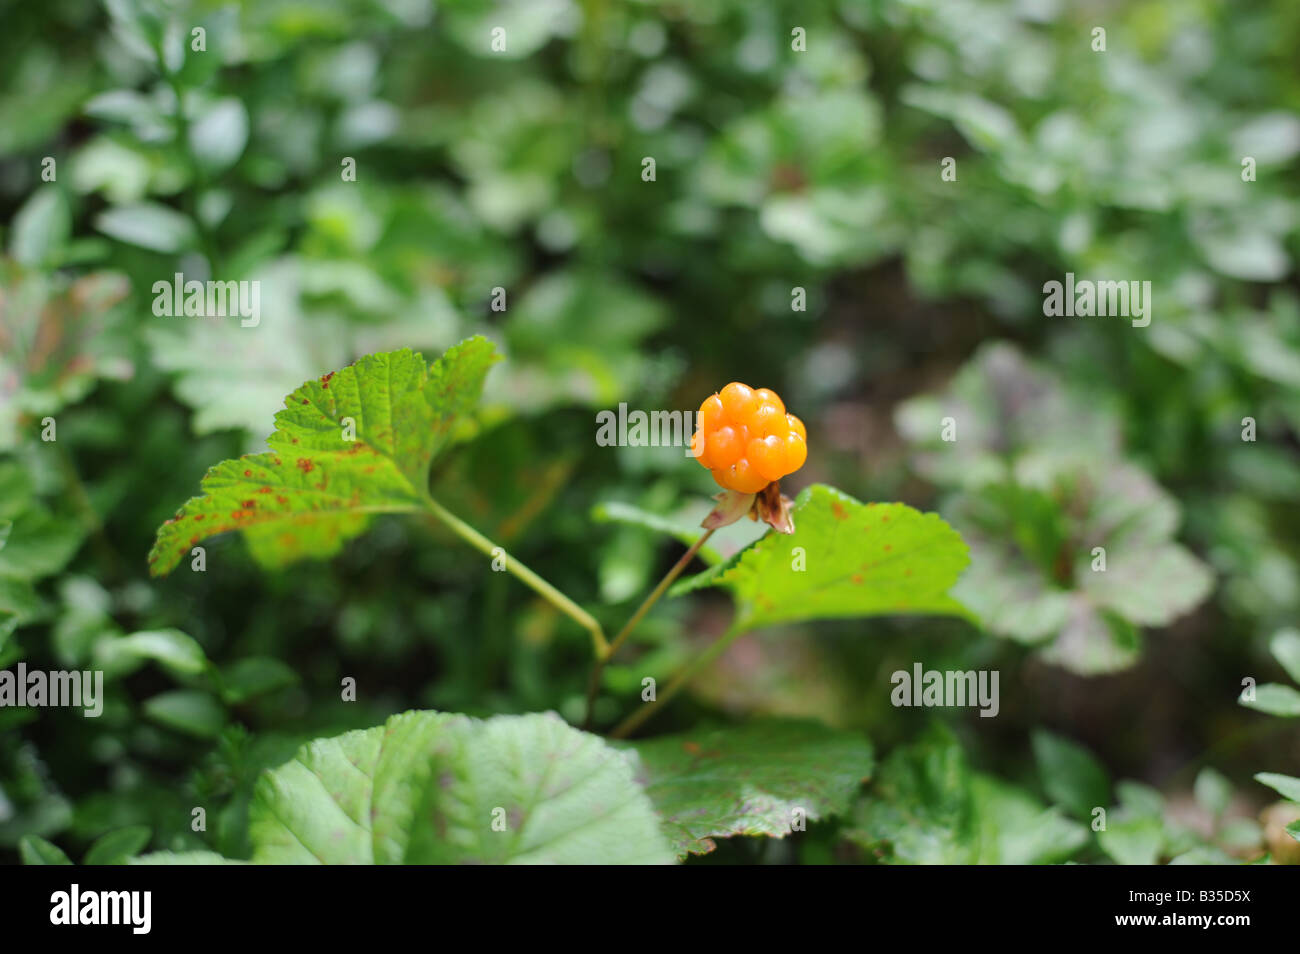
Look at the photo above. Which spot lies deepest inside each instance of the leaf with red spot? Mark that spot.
(57, 338)
(764, 778)
(844, 559)
(317, 487)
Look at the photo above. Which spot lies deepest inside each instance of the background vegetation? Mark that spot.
(776, 169)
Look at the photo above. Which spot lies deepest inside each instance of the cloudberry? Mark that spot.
(747, 439)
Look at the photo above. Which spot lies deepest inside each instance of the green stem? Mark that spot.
(593, 684)
(679, 682)
(529, 578)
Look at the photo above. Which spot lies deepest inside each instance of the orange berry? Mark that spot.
(768, 396)
(769, 420)
(744, 478)
(767, 455)
(797, 427)
(711, 412)
(796, 452)
(747, 439)
(739, 401)
(725, 446)
(699, 447)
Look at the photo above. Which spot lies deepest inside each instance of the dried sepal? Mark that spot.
(768, 505)
(732, 505)
(774, 508)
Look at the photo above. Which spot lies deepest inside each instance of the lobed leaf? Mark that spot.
(750, 779)
(845, 559)
(429, 787)
(317, 487)
(927, 806)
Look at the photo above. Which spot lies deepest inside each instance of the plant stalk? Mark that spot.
(679, 682)
(529, 578)
(593, 684)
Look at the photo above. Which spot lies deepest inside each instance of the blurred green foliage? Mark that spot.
(775, 169)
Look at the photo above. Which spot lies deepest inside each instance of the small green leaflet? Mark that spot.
(35, 850)
(1070, 774)
(117, 846)
(1285, 647)
(316, 488)
(1285, 785)
(432, 788)
(756, 779)
(845, 559)
(1273, 698)
(928, 806)
(1133, 841)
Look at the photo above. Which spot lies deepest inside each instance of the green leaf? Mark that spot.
(1293, 829)
(41, 227)
(254, 676)
(857, 560)
(1285, 647)
(190, 711)
(1213, 791)
(35, 850)
(239, 380)
(1004, 406)
(1285, 785)
(57, 337)
(929, 807)
(750, 779)
(434, 788)
(19, 605)
(1275, 699)
(117, 846)
(1071, 547)
(920, 807)
(684, 531)
(218, 136)
(173, 650)
(351, 799)
(40, 544)
(127, 106)
(316, 489)
(183, 858)
(1133, 841)
(148, 225)
(1017, 829)
(1070, 775)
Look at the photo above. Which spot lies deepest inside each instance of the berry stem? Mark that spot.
(679, 682)
(529, 578)
(593, 685)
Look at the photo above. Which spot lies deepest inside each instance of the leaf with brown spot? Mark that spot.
(404, 412)
(907, 563)
(750, 779)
